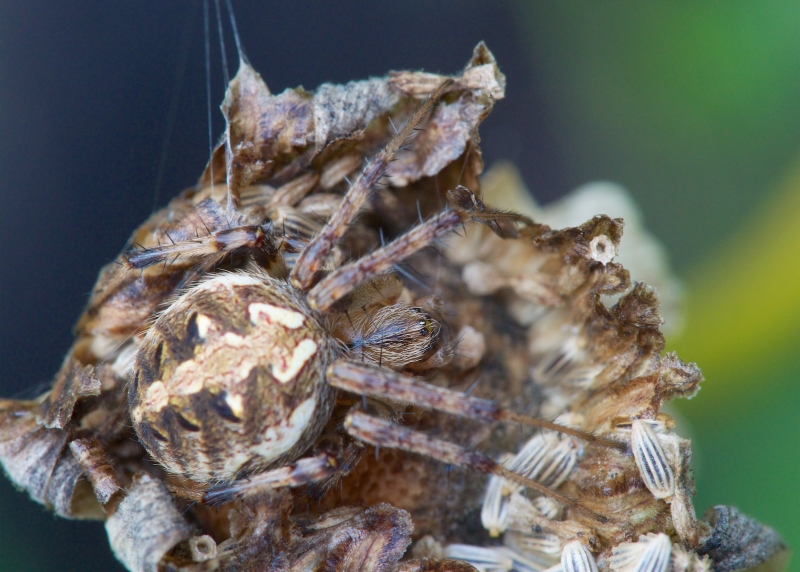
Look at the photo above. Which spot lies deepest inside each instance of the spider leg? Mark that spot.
(369, 380)
(381, 433)
(212, 248)
(340, 282)
(302, 472)
(312, 258)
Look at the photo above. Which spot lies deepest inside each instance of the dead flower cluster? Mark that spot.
(483, 319)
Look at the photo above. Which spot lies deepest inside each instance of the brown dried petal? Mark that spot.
(639, 307)
(544, 267)
(279, 125)
(63, 488)
(125, 298)
(28, 451)
(446, 136)
(73, 381)
(342, 109)
(679, 379)
(295, 122)
(146, 526)
(481, 73)
(737, 541)
(374, 539)
(264, 537)
(92, 459)
(426, 565)
(37, 461)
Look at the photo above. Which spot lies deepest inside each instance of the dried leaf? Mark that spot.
(738, 542)
(296, 126)
(36, 459)
(146, 526)
(73, 382)
(548, 322)
(94, 463)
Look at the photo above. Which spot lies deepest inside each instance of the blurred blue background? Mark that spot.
(693, 106)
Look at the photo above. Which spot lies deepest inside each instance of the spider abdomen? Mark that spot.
(229, 380)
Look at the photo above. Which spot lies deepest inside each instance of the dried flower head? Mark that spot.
(271, 375)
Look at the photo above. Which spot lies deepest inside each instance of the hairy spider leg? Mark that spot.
(366, 379)
(341, 281)
(311, 260)
(211, 249)
(304, 471)
(215, 244)
(381, 433)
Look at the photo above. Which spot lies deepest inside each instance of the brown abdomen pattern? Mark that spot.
(229, 380)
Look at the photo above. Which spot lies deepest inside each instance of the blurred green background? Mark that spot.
(693, 106)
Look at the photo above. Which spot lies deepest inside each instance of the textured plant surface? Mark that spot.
(542, 322)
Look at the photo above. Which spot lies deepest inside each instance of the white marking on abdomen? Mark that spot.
(301, 354)
(156, 396)
(283, 316)
(203, 323)
(277, 439)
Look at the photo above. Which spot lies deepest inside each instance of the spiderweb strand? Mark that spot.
(180, 72)
(239, 48)
(222, 45)
(208, 93)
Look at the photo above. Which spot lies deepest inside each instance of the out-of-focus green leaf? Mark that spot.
(743, 329)
(693, 106)
(743, 303)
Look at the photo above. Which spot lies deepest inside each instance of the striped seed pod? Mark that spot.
(653, 465)
(650, 554)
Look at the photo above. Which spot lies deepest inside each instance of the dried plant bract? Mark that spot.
(280, 369)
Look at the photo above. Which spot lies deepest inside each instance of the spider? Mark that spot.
(234, 382)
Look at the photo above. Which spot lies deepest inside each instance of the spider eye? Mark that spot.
(425, 329)
(427, 326)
